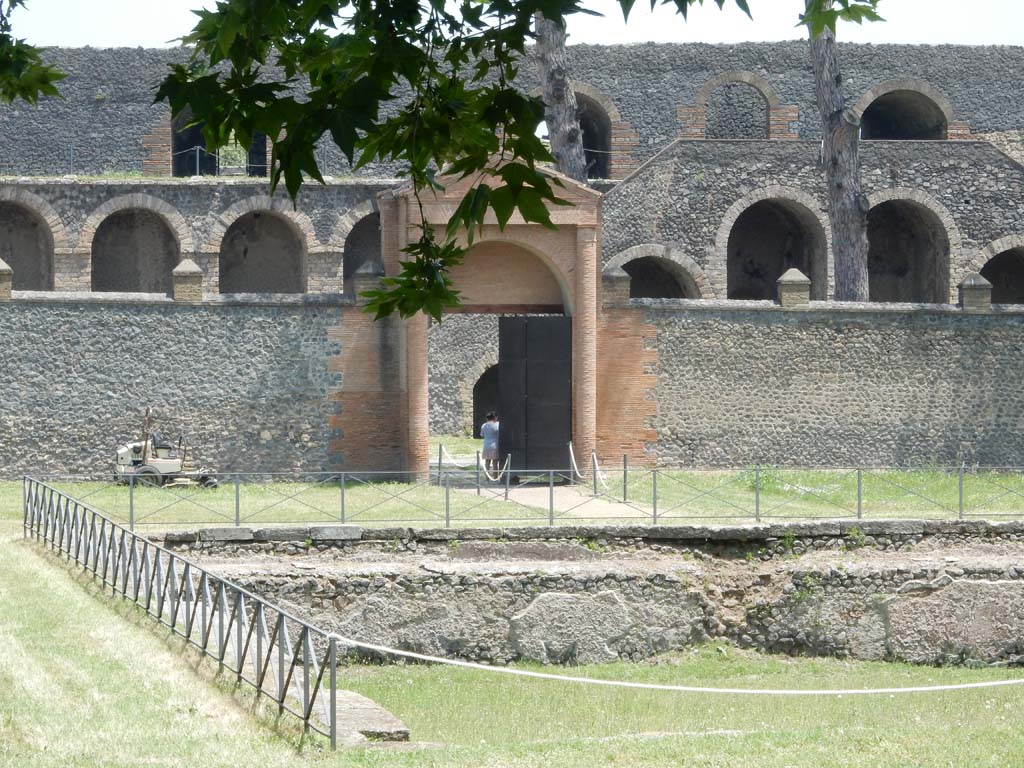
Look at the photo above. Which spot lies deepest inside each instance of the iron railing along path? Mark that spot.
(284, 658)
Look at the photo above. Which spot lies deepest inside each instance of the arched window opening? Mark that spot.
(908, 254)
(597, 136)
(262, 253)
(135, 251)
(1005, 271)
(485, 397)
(26, 245)
(736, 111)
(768, 238)
(655, 278)
(903, 115)
(191, 158)
(362, 251)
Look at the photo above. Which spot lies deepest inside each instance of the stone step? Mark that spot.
(358, 714)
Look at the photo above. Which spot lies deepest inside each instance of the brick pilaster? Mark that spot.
(782, 122)
(692, 122)
(624, 143)
(958, 130)
(584, 373)
(158, 146)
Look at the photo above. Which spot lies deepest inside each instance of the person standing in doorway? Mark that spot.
(489, 432)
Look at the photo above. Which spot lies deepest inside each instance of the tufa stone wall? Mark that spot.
(911, 590)
(845, 386)
(248, 385)
(106, 122)
(460, 349)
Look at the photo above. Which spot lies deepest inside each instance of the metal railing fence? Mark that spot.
(452, 494)
(291, 662)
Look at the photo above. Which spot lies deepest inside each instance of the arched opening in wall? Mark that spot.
(736, 111)
(908, 254)
(26, 245)
(1005, 271)
(903, 115)
(651, 277)
(362, 251)
(135, 251)
(191, 158)
(262, 253)
(597, 136)
(506, 278)
(596, 127)
(770, 237)
(485, 398)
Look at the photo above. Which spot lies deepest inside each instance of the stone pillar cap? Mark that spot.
(615, 273)
(976, 280)
(5, 269)
(793, 275)
(187, 267)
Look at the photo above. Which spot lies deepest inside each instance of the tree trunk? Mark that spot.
(560, 109)
(839, 154)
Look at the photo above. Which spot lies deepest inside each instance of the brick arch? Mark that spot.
(905, 84)
(140, 200)
(658, 251)
(563, 280)
(299, 221)
(345, 223)
(738, 76)
(43, 210)
(718, 252)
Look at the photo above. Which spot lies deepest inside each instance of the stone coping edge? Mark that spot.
(329, 534)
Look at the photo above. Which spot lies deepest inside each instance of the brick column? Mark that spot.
(584, 341)
(975, 294)
(781, 122)
(958, 130)
(692, 122)
(622, 160)
(188, 282)
(158, 145)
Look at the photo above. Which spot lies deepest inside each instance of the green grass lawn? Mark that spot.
(456, 445)
(87, 680)
(682, 496)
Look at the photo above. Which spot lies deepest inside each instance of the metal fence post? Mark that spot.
(238, 502)
(24, 506)
(551, 497)
(508, 474)
(960, 484)
(860, 494)
(478, 473)
(654, 495)
(447, 501)
(625, 478)
(343, 497)
(757, 494)
(131, 502)
(333, 656)
(440, 453)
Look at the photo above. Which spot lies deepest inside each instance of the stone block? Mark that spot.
(225, 535)
(300, 533)
(794, 288)
(6, 279)
(188, 282)
(975, 294)
(336, 533)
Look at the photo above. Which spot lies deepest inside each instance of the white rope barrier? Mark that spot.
(501, 472)
(676, 688)
(602, 476)
(572, 458)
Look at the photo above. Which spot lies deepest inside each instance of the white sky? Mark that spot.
(154, 23)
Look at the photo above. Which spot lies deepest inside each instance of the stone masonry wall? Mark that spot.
(847, 386)
(247, 385)
(107, 123)
(460, 349)
(919, 591)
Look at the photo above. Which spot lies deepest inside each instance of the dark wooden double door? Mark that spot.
(535, 391)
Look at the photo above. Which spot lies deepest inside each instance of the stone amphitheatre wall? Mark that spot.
(919, 591)
(107, 123)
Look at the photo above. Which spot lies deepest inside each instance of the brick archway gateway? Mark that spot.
(570, 256)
